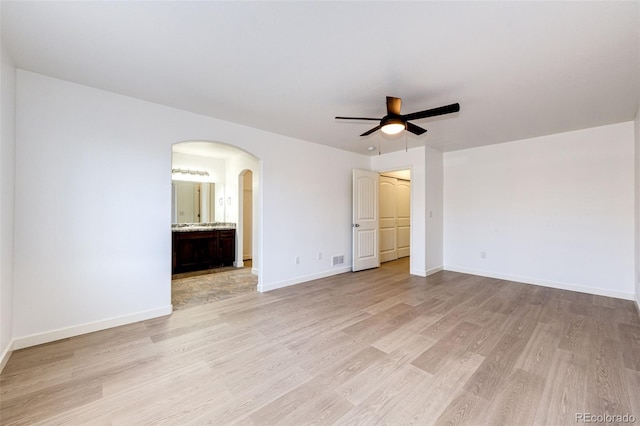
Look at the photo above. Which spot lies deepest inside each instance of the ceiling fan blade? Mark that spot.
(367, 133)
(393, 105)
(447, 109)
(416, 130)
(358, 118)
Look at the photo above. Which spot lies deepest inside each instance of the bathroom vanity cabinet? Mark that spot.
(195, 250)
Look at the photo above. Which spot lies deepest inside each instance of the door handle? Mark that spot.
(356, 225)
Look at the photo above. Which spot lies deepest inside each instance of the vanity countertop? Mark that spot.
(193, 227)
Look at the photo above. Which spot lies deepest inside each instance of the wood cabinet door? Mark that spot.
(194, 251)
(227, 246)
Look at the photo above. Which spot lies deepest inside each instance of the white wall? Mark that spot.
(82, 265)
(306, 210)
(413, 159)
(637, 206)
(7, 177)
(637, 189)
(434, 210)
(555, 210)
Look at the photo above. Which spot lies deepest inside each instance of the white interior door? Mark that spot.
(403, 215)
(365, 220)
(388, 219)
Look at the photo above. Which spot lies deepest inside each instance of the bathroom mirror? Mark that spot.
(197, 202)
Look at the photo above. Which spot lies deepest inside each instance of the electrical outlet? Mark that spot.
(320, 256)
(297, 260)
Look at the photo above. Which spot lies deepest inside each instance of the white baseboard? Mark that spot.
(268, 287)
(76, 330)
(418, 272)
(423, 273)
(553, 284)
(254, 271)
(5, 355)
(433, 270)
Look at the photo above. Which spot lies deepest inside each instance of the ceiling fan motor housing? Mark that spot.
(392, 124)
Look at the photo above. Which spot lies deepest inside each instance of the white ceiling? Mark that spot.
(518, 69)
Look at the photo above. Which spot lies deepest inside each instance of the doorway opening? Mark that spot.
(245, 218)
(211, 221)
(395, 219)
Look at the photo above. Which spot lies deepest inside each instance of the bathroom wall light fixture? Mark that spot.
(189, 172)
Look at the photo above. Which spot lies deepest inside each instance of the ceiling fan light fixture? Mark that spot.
(392, 126)
(394, 122)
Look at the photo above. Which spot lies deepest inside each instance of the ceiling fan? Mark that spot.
(394, 122)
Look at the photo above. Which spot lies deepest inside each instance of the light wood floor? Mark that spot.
(374, 347)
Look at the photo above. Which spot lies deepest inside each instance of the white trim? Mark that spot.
(418, 272)
(6, 355)
(76, 330)
(553, 284)
(433, 270)
(268, 287)
(426, 273)
(254, 271)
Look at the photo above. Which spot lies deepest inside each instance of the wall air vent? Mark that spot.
(337, 260)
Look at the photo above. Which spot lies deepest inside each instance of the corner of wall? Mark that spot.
(7, 202)
(434, 160)
(637, 188)
(637, 206)
(4, 358)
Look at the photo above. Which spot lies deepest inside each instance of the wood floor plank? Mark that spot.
(632, 382)
(457, 371)
(255, 397)
(464, 409)
(455, 341)
(362, 385)
(273, 412)
(539, 351)
(399, 337)
(576, 337)
(34, 406)
(565, 391)
(518, 401)
(629, 344)
(324, 410)
(608, 393)
(373, 347)
(496, 368)
(388, 393)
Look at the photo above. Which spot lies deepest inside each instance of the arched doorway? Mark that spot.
(214, 177)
